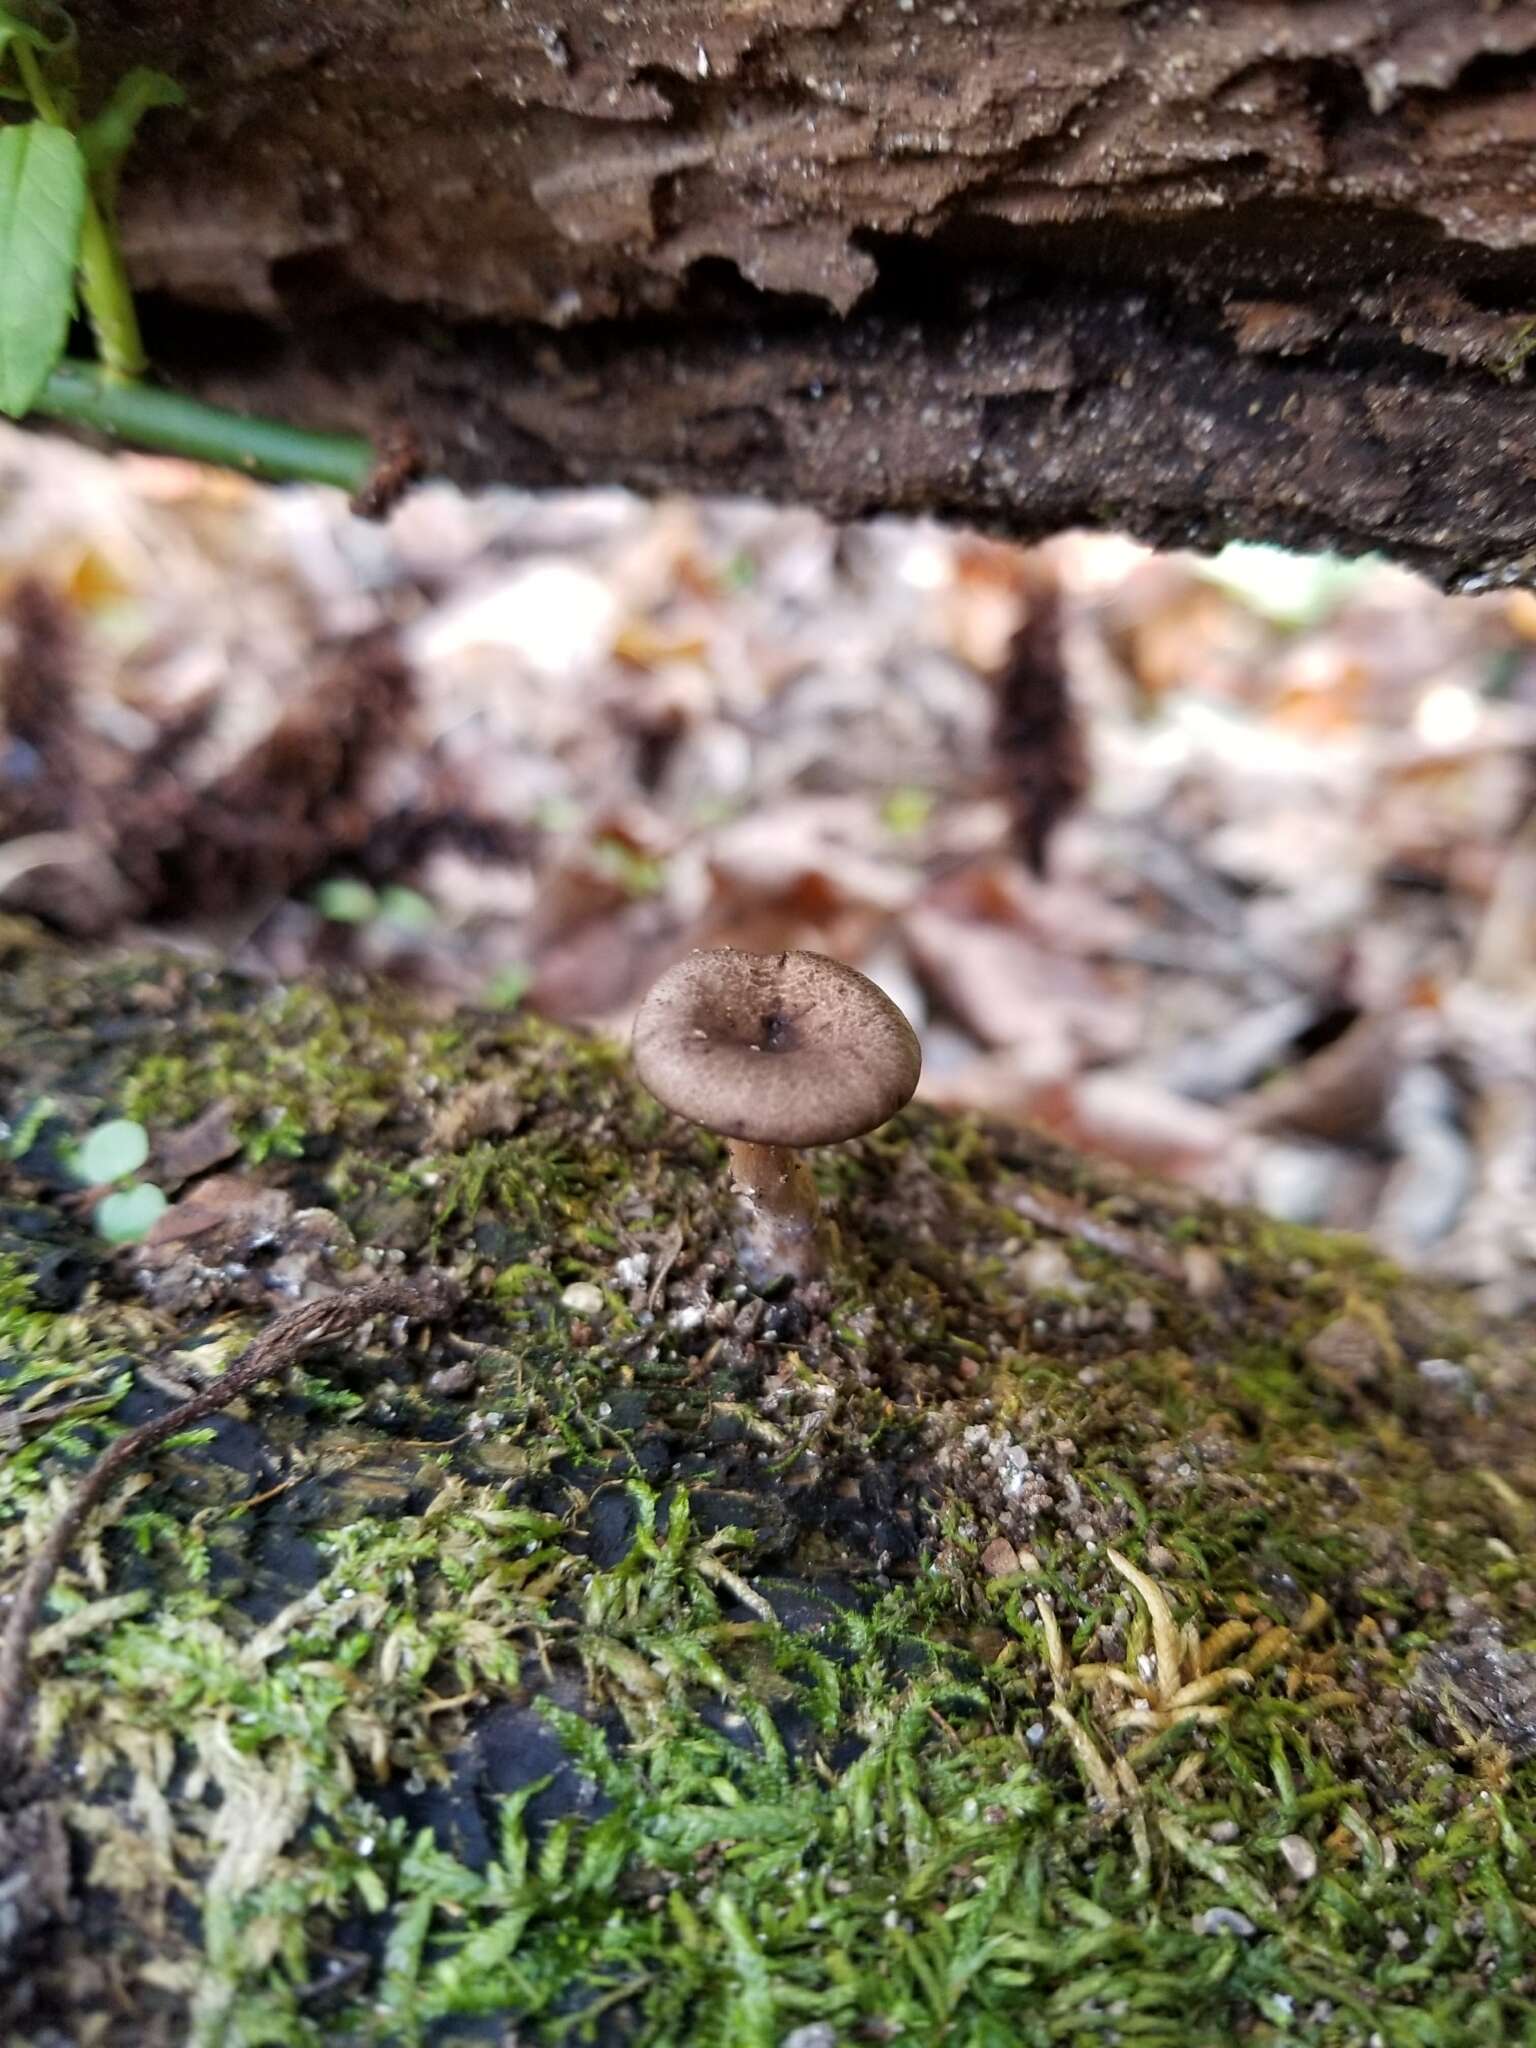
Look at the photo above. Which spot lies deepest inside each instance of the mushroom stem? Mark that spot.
(784, 1234)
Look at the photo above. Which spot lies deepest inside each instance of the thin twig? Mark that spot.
(1068, 1218)
(313, 1322)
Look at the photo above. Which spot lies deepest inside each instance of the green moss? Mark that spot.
(292, 1064)
(64, 1367)
(668, 1686)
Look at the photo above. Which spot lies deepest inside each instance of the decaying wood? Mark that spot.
(1196, 270)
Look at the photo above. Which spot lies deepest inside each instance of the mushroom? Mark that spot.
(774, 1051)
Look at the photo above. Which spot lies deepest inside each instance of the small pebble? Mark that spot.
(1204, 1275)
(583, 1298)
(819, 2034)
(453, 1379)
(1224, 1920)
(1444, 1372)
(999, 1558)
(1046, 1268)
(1224, 1831)
(1300, 1855)
(1140, 1318)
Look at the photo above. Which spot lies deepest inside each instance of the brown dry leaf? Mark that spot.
(643, 644)
(1007, 990)
(836, 845)
(588, 880)
(1440, 810)
(1115, 1113)
(1004, 1086)
(811, 916)
(1061, 914)
(1341, 1093)
(238, 1209)
(1172, 631)
(1326, 706)
(983, 600)
(184, 1153)
(1130, 1117)
(604, 967)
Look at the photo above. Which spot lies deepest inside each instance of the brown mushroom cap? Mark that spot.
(775, 1048)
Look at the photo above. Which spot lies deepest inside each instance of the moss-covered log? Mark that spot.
(1263, 269)
(1090, 1615)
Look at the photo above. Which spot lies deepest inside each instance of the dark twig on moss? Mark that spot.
(424, 1299)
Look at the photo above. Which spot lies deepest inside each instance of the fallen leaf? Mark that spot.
(1009, 991)
(208, 1140)
(1341, 1093)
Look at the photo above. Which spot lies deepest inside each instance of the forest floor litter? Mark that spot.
(1222, 868)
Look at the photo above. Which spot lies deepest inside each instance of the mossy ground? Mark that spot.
(638, 1659)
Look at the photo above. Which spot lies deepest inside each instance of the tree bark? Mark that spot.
(1197, 271)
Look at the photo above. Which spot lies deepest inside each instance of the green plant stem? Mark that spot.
(109, 298)
(174, 425)
(37, 86)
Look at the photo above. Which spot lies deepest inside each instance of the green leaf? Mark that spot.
(345, 900)
(130, 1215)
(906, 811)
(42, 204)
(508, 986)
(407, 909)
(112, 1151)
(1289, 590)
(107, 139)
